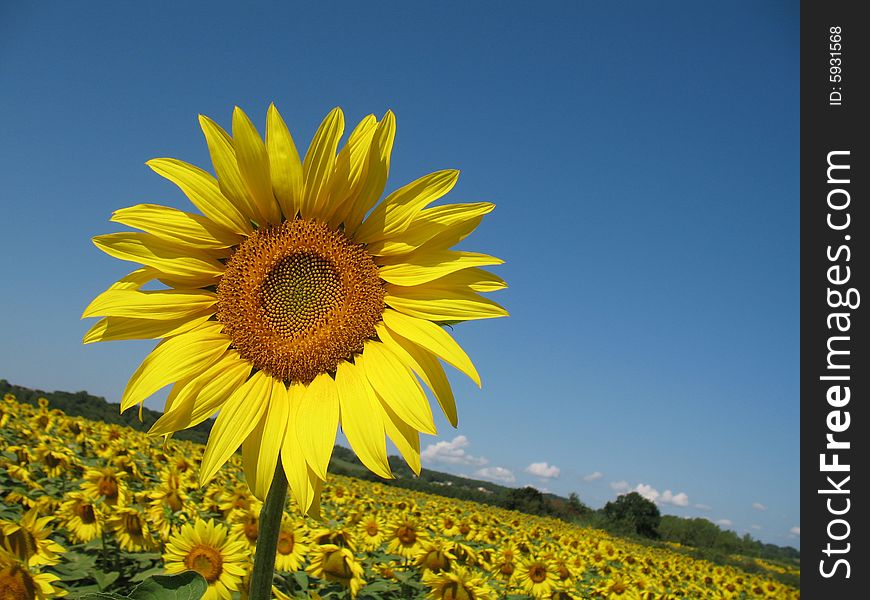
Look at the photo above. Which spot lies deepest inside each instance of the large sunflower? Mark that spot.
(297, 302)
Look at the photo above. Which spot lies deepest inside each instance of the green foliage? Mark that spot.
(633, 513)
(189, 585)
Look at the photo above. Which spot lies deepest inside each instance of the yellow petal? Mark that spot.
(238, 417)
(376, 173)
(319, 163)
(350, 170)
(226, 167)
(404, 437)
(303, 482)
(261, 448)
(437, 227)
(425, 365)
(176, 226)
(174, 359)
(125, 328)
(423, 267)
(253, 161)
(196, 268)
(399, 209)
(433, 338)
(441, 305)
(151, 305)
(285, 168)
(200, 397)
(361, 418)
(317, 422)
(204, 192)
(397, 386)
(473, 279)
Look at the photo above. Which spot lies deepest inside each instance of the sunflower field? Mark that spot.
(92, 509)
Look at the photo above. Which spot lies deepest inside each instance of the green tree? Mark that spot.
(634, 513)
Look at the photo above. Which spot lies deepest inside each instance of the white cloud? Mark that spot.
(496, 474)
(724, 522)
(542, 469)
(796, 530)
(620, 486)
(680, 499)
(647, 491)
(755, 527)
(703, 507)
(666, 497)
(758, 506)
(452, 453)
(593, 476)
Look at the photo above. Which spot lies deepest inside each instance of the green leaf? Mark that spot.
(104, 579)
(100, 596)
(301, 578)
(189, 585)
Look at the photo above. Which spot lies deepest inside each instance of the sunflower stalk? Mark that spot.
(267, 538)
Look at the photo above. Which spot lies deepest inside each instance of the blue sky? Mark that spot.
(644, 163)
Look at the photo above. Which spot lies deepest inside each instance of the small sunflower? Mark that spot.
(332, 563)
(292, 548)
(405, 536)
(132, 530)
(536, 577)
(105, 483)
(370, 532)
(297, 302)
(435, 555)
(82, 516)
(458, 584)
(208, 549)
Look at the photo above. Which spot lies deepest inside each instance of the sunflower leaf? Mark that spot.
(188, 585)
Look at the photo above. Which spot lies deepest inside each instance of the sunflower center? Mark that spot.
(336, 565)
(285, 542)
(206, 561)
(456, 591)
(22, 543)
(133, 525)
(406, 535)
(538, 573)
(298, 298)
(173, 501)
(16, 584)
(108, 487)
(85, 512)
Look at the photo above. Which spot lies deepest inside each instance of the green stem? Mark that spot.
(267, 536)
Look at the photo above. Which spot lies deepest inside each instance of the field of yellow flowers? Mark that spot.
(95, 508)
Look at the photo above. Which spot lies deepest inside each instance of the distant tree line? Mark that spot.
(95, 408)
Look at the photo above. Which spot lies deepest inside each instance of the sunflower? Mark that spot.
(292, 548)
(297, 302)
(536, 577)
(370, 532)
(105, 483)
(459, 584)
(132, 530)
(18, 581)
(406, 537)
(435, 555)
(208, 549)
(82, 516)
(28, 539)
(336, 564)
